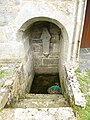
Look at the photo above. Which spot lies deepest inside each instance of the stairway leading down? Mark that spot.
(42, 101)
(39, 107)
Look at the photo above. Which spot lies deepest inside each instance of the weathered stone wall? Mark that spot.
(45, 63)
(69, 13)
(11, 81)
(10, 49)
(14, 82)
(28, 61)
(18, 15)
(72, 88)
(8, 11)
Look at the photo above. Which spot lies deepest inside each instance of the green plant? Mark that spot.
(84, 80)
(1, 74)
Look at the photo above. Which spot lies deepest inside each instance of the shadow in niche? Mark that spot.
(42, 82)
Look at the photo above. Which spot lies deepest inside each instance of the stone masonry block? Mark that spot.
(9, 2)
(46, 70)
(37, 62)
(50, 61)
(54, 55)
(3, 97)
(7, 14)
(37, 55)
(37, 47)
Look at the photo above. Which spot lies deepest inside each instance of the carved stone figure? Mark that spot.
(46, 41)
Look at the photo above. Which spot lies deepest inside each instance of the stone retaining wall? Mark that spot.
(72, 88)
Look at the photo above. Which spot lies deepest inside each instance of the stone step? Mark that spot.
(41, 101)
(46, 96)
(26, 103)
(63, 113)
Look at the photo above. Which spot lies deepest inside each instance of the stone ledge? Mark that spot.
(4, 93)
(73, 88)
(63, 113)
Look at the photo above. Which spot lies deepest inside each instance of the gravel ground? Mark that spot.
(84, 58)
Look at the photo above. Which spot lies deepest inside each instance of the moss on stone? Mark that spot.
(78, 70)
(1, 74)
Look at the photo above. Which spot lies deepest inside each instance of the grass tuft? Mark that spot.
(84, 80)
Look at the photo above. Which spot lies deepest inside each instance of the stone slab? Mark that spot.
(73, 88)
(50, 61)
(65, 113)
(3, 97)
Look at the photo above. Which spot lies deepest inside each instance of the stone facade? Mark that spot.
(41, 36)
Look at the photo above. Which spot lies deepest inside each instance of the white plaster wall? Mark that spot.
(62, 11)
(11, 51)
(66, 14)
(8, 11)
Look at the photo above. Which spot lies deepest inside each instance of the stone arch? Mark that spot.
(34, 11)
(64, 33)
(64, 45)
